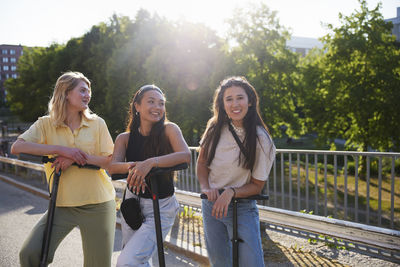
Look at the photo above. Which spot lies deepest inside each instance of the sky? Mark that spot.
(43, 22)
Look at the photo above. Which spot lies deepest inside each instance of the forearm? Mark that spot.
(118, 167)
(253, 188)
(170, 159)
(202, 175)
(101, 161)
(21, 146)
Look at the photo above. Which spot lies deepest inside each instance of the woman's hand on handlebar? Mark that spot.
(136, 176)
(62, 163)
(212, 194)
(74, 154)
(220, 207)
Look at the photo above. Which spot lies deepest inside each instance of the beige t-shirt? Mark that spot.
(78, 186)
(224, 169)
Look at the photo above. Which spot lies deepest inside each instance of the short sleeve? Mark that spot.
(265, 156)
(106, 142)
(35, 133)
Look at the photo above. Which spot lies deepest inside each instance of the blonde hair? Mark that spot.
(58, 103)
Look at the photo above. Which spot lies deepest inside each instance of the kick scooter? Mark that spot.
(156, 207)
(235, 238)
(52, 207)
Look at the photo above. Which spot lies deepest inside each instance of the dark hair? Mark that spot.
(157, 144)
(251, 120)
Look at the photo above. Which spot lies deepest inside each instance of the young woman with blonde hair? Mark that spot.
(86, 198)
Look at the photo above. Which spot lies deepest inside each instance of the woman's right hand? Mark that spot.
(212, 194)
(62, 163)
(75, 154)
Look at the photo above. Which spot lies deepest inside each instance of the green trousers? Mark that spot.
(96, 223)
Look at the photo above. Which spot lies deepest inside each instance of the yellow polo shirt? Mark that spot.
(78, 186)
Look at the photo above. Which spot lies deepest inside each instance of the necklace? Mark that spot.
(239, 130)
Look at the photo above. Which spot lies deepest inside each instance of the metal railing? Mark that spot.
(361, 187)
(364, 205)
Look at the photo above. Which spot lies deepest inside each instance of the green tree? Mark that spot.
(260, 54)
(185, 63)
(352, 89)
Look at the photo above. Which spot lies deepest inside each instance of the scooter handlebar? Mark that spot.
(46, 159)
(253, 197)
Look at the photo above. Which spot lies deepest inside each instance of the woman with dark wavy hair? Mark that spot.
(239, 169)
(150, 141)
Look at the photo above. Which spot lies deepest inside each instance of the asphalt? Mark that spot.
(20, 210)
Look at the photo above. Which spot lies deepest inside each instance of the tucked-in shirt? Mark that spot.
(78, 186)
(225, 170)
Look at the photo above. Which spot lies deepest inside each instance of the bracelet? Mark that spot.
(156, 159)
(234, 192)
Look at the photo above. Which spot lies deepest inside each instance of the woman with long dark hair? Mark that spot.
(240, 169)
(149, 141)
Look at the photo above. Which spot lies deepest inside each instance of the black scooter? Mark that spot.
(156, 207)
(52, 207)
(235, 238)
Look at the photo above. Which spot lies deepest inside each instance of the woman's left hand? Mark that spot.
(220, 207)
(137, 175)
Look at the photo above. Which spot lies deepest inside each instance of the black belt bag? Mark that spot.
(131, 211)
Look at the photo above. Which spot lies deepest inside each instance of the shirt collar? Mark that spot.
(84, 122)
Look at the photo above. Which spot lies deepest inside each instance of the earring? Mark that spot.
(137, 113)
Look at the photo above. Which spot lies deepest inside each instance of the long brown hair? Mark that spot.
(157, 144)
(251, 120)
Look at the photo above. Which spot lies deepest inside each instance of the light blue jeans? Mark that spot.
(138, 246)
(219, 232)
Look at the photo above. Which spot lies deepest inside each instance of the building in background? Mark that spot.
(303, 45)
(396, 25)
(9, 55)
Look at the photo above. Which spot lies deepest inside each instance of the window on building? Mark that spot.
(13, 68)
(5, 68)
(5, 59)
(7, 76)
(12, 52)
(13, 60)
(4, 51)
(15, 76)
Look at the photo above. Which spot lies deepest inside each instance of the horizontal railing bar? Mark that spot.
(22, 163)
(329, 152)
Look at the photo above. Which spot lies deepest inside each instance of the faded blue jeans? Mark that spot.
(219, 232)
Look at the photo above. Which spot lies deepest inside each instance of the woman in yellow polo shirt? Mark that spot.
(86, 198)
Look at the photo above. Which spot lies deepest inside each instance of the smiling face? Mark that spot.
(78, 98)
(236, 104)
(151, 106)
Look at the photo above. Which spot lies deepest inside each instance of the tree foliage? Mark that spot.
(262, 56)
(351, 90)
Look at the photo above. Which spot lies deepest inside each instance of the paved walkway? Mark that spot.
(19, 211)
